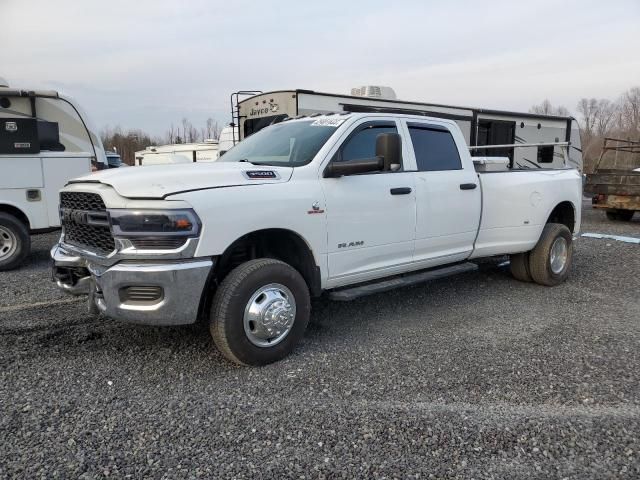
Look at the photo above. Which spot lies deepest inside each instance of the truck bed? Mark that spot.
(613, 182)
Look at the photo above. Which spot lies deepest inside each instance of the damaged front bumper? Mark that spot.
(153, 292)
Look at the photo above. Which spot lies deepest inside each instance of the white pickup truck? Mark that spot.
(349, 204)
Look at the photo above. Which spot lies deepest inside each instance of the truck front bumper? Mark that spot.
(149, 292)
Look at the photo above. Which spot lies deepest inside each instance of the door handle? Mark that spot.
(400, 191)
(467, 186)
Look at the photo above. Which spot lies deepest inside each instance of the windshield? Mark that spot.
(288, 144)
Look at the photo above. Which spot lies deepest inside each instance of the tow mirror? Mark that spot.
(389, 148)
(339, 169)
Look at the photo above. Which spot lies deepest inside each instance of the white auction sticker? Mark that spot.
(328, 122)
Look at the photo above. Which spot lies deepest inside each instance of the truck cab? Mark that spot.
(45, 140)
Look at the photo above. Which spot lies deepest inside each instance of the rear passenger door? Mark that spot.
(448, 198)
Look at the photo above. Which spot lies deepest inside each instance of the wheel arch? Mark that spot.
(279, 243)
(565, 214)
(16, 212)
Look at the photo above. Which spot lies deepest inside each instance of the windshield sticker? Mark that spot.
(328, 122)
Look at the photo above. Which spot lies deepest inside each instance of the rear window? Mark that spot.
(434, 148)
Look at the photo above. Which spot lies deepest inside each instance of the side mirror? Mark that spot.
(339, 169)
(389, 148)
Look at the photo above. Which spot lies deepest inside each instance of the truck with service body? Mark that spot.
(45, 140)
(348, 204)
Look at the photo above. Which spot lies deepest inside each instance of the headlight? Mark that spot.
(154, 223)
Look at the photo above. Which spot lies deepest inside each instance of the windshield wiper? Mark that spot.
(246, 160)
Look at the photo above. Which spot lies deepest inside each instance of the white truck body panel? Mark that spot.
(47, 171)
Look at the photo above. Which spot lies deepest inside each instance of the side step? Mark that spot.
(352, 293)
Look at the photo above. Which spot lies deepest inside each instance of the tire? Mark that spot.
(620, 215)
(612, 215)
(541, 265)
(234, 335)
(519, 265)
(15, 242)
(625, 215)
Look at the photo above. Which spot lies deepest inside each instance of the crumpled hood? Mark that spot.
(160, 181)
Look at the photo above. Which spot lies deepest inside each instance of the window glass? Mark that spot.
(435, 149)
(545, 154)
(362, 144)
(288, 144)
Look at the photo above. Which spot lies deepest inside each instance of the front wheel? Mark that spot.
(550, 260)
(15, 242)
(260, 312)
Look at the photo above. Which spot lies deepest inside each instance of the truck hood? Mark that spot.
(160, 181)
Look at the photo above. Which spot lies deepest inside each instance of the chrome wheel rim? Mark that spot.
(269, 315)
(8, 242)
(559, 255)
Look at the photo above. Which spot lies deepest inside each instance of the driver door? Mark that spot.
(371, 217)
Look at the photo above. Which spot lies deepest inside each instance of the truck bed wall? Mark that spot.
(517, 204)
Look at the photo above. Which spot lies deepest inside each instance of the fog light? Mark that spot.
(141, 294)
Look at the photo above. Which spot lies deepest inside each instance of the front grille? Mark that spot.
(93, 237)
(157, 243)
(82, 201)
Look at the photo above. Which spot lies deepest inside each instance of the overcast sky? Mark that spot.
(147, 63)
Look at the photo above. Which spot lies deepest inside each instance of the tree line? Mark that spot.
(127, 142)
(602, 117)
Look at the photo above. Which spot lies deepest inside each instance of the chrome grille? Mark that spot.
(79, 208)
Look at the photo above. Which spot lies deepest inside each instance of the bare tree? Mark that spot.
(546, 108)
(629, 118)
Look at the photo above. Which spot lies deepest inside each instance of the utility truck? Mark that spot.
(348, 204)
(45, 140)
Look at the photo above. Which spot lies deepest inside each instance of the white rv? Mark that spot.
(206, 151)
(45, 140)
(547, 135)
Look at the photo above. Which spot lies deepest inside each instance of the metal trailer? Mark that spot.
(542, 134)
(616, 190)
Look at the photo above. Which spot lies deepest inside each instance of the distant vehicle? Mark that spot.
(349, 203)
(45, 140)
(227, 139)
(206, 151)
(114, 160)
(616, 190)
(479, 126)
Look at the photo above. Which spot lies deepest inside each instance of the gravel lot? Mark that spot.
(476, 376)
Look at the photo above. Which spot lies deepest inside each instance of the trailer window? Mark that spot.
(435, 149)
(545, 154)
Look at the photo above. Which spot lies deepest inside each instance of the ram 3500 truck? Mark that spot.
(348, 204)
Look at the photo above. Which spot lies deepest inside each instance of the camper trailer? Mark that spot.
(206, 151)
(528, 140)
(45, 140)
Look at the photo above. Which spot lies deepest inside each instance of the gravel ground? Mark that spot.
(476, 376)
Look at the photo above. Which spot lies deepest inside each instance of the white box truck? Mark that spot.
(45, 140)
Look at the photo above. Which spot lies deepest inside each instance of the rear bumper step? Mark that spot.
(352, 293)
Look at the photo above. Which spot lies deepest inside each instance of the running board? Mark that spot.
(347, 294)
